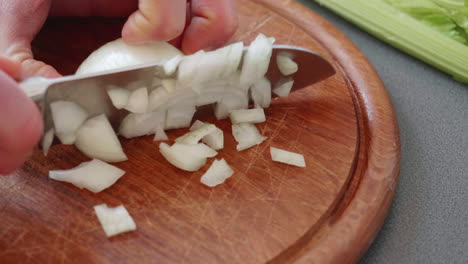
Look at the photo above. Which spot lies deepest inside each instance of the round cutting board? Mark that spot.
(328, 212)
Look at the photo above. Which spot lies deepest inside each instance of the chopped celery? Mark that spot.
(431, 30)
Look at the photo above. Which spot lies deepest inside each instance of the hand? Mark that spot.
(21, 127)
(191, 25)
(195, 24)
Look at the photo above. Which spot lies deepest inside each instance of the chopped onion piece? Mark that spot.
(179, 116)
(214, 140)
(94, 175)
(283, 87)
(209, 97)
(194, 136)
(138, 101)
(287, 157)
(96, 139)
(261, 93)
(169, 84)
(233, 99)
(118, 53)
(209, 66)
(246, 135)
(181, 160)
(47, 140)
(286, 64)
(68, 117)
(200, 150)
(170, 66)
(160, 134)
(256, 115)
(217, 174)
(115, 220)
(137, 125)
(256, 60)
(119, 96)
(158, 97)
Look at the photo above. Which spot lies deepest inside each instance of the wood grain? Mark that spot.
(328, 212)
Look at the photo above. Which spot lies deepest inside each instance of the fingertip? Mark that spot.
(12, 68)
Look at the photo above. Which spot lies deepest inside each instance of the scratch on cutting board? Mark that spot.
(255, 28)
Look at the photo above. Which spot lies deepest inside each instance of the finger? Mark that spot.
(20, 22)
(21, 124)
(155, 20)
(213, 23)
(13, 69)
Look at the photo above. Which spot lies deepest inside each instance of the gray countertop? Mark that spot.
(428, 221)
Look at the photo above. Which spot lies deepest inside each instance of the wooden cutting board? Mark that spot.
(328, 212)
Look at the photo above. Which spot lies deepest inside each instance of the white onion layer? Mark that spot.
(256, 115)
(47, 141)
(195, 135)
(286, 64)
(94, 175)
(115, 220)
(179, 116)
(96, 139)
(283, 87)
(260, 93)
(137, 125)
(287, 157)
(246, 135)
(214, 140)
(119, 96)
(192, 161)
(138, 101)
(217, 174)
(68, 117)
(256, 60)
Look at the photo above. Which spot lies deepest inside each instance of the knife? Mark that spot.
(90, 90)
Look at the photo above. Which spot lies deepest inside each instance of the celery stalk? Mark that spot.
(406, 33)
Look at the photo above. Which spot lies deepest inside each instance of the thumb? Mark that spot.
(21, 122)
(155, 20)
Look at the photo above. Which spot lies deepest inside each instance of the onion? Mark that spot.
(286, 64)
(169, 85)
(246, 135)
(191, 161)
(68, 117)
(287, 157)
(256, 60)
(233, 98)
(214, 140)
(47, 141)
(158, 97)
(96, 139)
(94, 175)
(137, 125)
(117, 54)
(119, 96)
(179, 116)
(138, 101)
(217, 174)
(160, 134)
(114, 221)
(214, 65)
(196, 150)
(256, 115)
(195, 135)
(170, 66)
(261, 93)
(283, 87)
